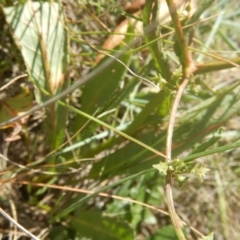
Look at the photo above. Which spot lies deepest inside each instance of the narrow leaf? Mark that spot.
(151, 21)
(208, 143)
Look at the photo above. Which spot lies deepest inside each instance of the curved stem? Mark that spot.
(187, 69)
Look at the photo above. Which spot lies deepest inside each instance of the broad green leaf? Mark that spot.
(38, 29)
(93, 225)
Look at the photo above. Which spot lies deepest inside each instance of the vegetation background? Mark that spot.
(95, 84)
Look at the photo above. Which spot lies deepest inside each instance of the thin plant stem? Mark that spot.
(173, 215)
(106, 195)
(187, 68)
(172, 119)
(17, 224)
(185, 57)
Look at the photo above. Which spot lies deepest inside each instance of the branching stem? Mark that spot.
(187, 69)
